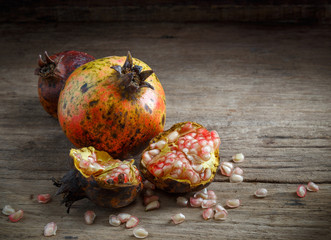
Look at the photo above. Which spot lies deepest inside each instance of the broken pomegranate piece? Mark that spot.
(182, 159)
(105, 181)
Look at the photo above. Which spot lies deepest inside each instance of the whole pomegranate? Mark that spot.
(53, 73)
(182, 159)
(114, 104)
(97, 176)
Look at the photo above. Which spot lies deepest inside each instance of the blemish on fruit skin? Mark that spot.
(84, 88)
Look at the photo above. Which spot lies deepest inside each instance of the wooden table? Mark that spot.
(265, 89)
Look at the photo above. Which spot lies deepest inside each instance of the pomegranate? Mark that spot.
(111, 107)
(97, 176)
(53, 73)
(182, 159)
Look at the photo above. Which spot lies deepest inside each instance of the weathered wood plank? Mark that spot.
(265, 89)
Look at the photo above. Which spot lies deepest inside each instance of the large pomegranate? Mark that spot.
(182, 159)
(115, 104)
(53, 73)
(97, 176)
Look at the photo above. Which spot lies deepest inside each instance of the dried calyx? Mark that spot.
(132, 77)
(105, 181)
(184, 158)
(48, 67)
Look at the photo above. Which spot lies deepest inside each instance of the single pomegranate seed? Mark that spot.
(178, 218)
(173, 136)
(148, 184)
(114, 220)
(233, 203)
(150, 199)
(44, 198)
(312, 187)
(202, 194)
(220, 208)
(16, 216)
(261, 193)
(211, 195)
(207, 203)
(50, 229)
(236, 178)
(140, 232)
(149, 192)
(221, 215)
(239, 157)
(152, 205)
(301, 191)
(195, 202)
(226, 168)
(89, 217)
(132, 222)
(124, 217)
(182, 201)
(208, 213)
(238, 171)
(8, 210)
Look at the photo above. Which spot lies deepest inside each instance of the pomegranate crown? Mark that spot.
(47, 67)
(132, 77)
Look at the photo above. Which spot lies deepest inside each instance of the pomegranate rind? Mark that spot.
(80, 183)
(172, 185)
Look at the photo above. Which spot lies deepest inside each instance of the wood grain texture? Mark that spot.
(265, 89)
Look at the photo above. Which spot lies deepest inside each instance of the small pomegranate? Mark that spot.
(114, 104)
(182, 159)
(53, 73)
(97, 176)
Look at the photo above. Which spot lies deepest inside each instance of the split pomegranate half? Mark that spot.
(105, 181)
(182, 159)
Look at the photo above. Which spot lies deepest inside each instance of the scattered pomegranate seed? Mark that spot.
(114, 220)
(226, 168)
(182, 201)
(211, 195)
(152, 205)
(312, 187)
(148, 184)
(195, 202)
(50, 229)
(236, 178)
(301, 191)
(239, 157)
(233, 203)
(208, 213)
(208, 203)
(89, 217)
(221, 215)
(238, 171)
(124, 217)
(150, 199)
(201, 194)
(132, 222)
(261, 193)
(8, 210)
(16, 216)
(178, 218)
(149, 192)
(220, 208)
(44, 198)
(140, 232)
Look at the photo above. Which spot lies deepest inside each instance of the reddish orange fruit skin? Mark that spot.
(94, 110)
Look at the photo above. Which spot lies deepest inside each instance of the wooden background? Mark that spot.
(266, 89)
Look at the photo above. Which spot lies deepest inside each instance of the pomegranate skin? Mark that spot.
(96, 110)
(53, 73)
